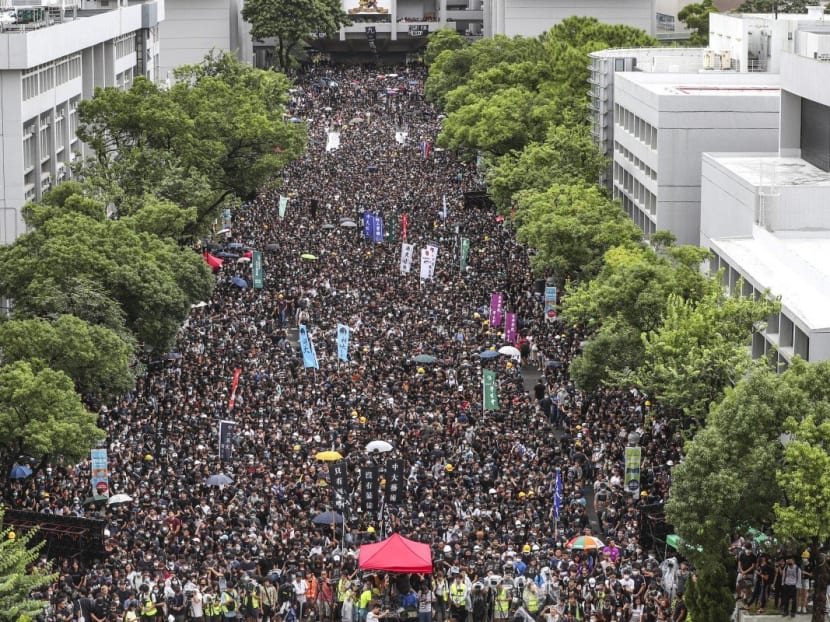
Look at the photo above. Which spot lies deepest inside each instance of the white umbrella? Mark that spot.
(510, 351)
(378, 447)
(243, 260)
(199, 305)
(119, 498)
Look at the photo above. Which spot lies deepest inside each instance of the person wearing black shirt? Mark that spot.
(746, 573)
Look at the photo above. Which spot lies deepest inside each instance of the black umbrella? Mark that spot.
(272, 247)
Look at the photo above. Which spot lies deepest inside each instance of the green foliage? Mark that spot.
(568, 155)
(292, 21)
(612, 352)
(42, 416)
(708, 596)
(94, 357)
(696, 18)
(571, 227)
(154, 282)
(210, 137)
(804, 511)
(772, 6)
(441, 40)
(19, 576)
(700, 349)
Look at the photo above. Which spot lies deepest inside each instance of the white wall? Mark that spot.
(192, 29)
(532, 17)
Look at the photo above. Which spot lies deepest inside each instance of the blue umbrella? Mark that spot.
(488, 354)
(220, 479)
(19, 472)
(328, 518)
(227, 255)
(239, 282)
(173, 356)
(554, 364)
(235, 245)
(295, 120)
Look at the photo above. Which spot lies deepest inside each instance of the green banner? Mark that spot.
(633, 458)
(256, 270)
(392, 230)
(465, 252)
(491, 396)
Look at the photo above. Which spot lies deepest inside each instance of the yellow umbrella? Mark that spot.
(329, 456)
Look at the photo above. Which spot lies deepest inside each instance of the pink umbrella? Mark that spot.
(249, 254)
(213, 261)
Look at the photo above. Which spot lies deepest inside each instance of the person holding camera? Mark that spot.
(195, 608)
(176, 605)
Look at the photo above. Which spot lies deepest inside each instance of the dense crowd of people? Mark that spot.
(479, 484)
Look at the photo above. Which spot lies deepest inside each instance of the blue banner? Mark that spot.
(557, 495)
(368, 225)
(309, 356)
(343, 334)
(378, 232)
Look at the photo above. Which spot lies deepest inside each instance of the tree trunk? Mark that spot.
(821, 577)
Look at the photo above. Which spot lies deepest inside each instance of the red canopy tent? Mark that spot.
(396, 554)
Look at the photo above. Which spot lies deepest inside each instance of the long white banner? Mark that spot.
(407, 250)
(429, 255)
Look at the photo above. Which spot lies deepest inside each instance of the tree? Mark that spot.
(19, 576)
(42, 416)
(571, 227)
(727, 482)
(94, 357)
(440, 40)
(700, 349)
(774, 6)
(216, 135)
(803, 512)
(612, 352)
(567, 155)
(152, 281)
(696, 18)
(290, 22)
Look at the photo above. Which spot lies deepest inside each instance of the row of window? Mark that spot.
(625, 153)
(626, 182)
(125, 45)
(639, 217)
(47, 140)
(631, 123)
(45, 77)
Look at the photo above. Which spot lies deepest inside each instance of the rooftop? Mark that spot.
(793, 264)
(764, 169)
(708, 83)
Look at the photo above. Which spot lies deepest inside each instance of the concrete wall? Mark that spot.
(728, 202)
(532, 17)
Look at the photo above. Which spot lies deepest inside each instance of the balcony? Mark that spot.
(465, 15)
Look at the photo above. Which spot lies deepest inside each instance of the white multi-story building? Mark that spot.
(49, 61)
(766, 216)
(662, 125)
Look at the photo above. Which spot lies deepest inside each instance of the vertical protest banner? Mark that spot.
(377, 230)
(496, 308)
(339, 485)
(100, 472)
(257, 275)
(234, 385)
(368, 225)
(404, 226)
(392, 230)
(429, 256)
(550, 304)
(369, 496)
(283, 206)
(307, 348)
(511, 326)
(464, 253)
(407, 250)
(343, 334)
(491, 394)
(444, 207)
(557, 495)
(633, 459)
(395, 482)
(226, 440)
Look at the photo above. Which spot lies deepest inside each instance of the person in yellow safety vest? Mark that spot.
(458, 599)
(149, 609)
(501, 610)
(363, 603)
(213, 610)
(230, 605)
(252, 604)
(530, 599)
(442, 598)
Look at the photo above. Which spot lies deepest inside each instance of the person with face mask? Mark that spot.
(791, 579)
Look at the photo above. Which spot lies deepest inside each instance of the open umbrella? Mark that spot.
(213, 261)
(20, 471)
(378, 447)
(220, 479)
(308, 256)
(223, 231)
(239, 282)
(295, 120)
(356, 120)
(199, 305)
(119, 498)
(235, 245)
(272, 247)
(348, 224)
(328, 456)
(553, 364)
(509, 351)
(488, 354)
(328, 225)
(584, 543)
(243, 260)
(328, 518)
(95, 499)
(227, 255)
(425, 358)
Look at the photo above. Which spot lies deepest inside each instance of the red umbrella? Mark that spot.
(213, 261)
(249, 254)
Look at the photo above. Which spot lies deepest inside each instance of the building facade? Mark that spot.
(766, 216)
(662, 125)
(49, 65)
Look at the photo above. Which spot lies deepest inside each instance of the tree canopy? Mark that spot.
(696, 18)
(290, 22)
(217, 134)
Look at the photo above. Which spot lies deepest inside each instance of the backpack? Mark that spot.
(479, 607)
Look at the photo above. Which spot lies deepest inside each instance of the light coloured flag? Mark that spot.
(407, 250)
(283, 205)
(429, 255)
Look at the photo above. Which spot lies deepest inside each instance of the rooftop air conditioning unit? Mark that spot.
(725, 60)
(708, 59)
